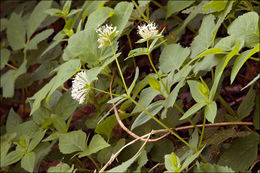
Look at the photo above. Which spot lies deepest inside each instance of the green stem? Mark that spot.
(119, 68)
(108, 92)
(226, 105)
(94, 162)
(151, 62)
(140, 11)
(203, 131)
(163, 125)
(131, 47)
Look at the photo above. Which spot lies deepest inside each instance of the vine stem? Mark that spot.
(202, 133)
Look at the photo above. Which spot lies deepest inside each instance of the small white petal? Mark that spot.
(106, 34)
(148, 31)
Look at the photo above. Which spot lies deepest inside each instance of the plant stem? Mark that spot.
(94, 162)
(139, 10)
(151, 62)
(202, 133)
(162, 124)
(108, 92)
(119, 68)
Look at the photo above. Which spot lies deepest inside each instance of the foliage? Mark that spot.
(150, 67)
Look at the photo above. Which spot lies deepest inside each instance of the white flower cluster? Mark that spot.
(80, 87)
(106, 33)
(148, 31)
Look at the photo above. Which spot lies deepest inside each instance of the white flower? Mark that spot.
(106, 34)
(148, 31)
(80, 87)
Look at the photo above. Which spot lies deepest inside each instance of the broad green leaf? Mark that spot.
(246, 107)
(194, 139)
(28, 161)
(123, 167)
(12, 157)
(6, 142)
(37, 17)
(44, 71)
(91, 6)
(176, 6)
(172, 57)
(38, 38)
(172, 162)
(241, 154)
(16, 32)
(170, 100)
(97, 143)
(36, 140)
(137, 52)
(4, 53)
(134, 81)
(190, 159)
(193, 110)
(204, 39)
(229, 43)
(154, 84)
(146, 96)
(106, 127)
(65, 106)
(153, 108)
(13, 120)
(66, 7)
(199, 92)
(72, 141)
(220, 69)
(160, 149)
(7, 83)
(61, 167)
(246, 27)
(240, 60)
(123, 10)
(98, 17)
(211, 111)
(207, 167)
(52, 137)
(215, 6)
(28, 128)
(208, 62)
(59, 123)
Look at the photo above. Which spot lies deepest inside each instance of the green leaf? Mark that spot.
(172, 162)
(146, 96)
(137, 52)
(28, 161)
(190, 159)
(4, 53)
(211, 111)
(65, 106)
(172, 57)
(153, 108)
(241, 154)
(4, 23)
(215, 6)
(97, 143)
(198, 91)
(204, 39)
(160, 149)
(61, 167)
(37, 17)
(12, 157)
(207, 167)
(28, 128)
(7, 83)
(246, 27)
(219, 70)
(6, 142)
(72, 142)
(98, 17)
(251, 82)
(241, 59)
(16, 32)
(193, 110)
(170, 100)
(229, 43)
(13, 120)
(134, 81)
(176, 6)
(123, 167)
(123, 10)
(246, 107)
(106, 126)
(38, 38)
(142, 160)
(59, 123)
(36, 140)
(154, 84)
